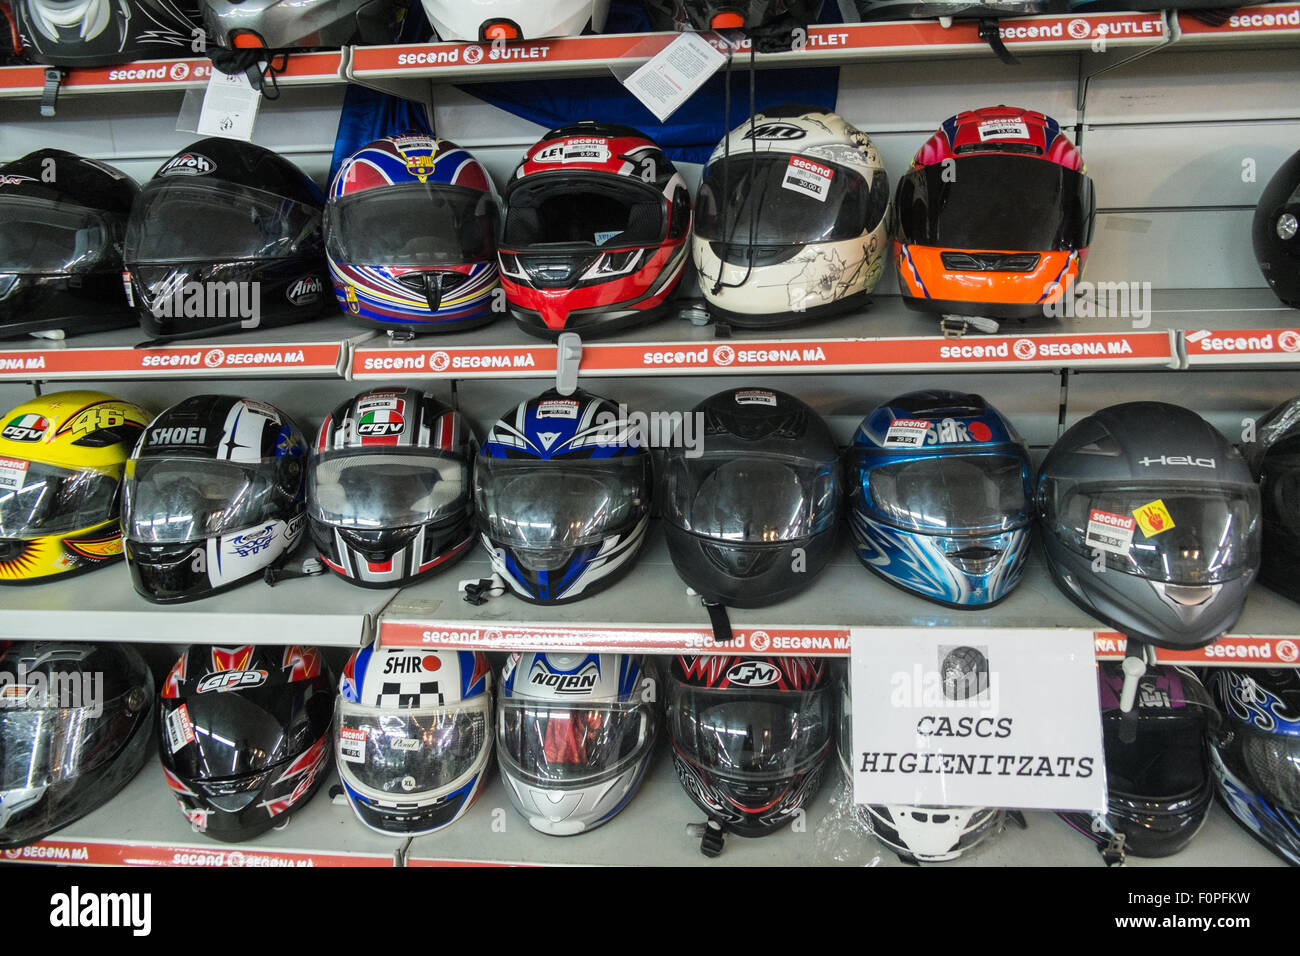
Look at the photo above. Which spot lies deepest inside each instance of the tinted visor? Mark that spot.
(560, 504)
(1274, 762)
(750, 736)
(781, 198)
(372, 490)
(172, 500)
(433, 748)
(757, 499)
(958, 493)
(552, 744)
(416, 224)
(1214, 537)
(41, 747)
(250, 730)
(40, 238)
(1013, 203)
(178, 220)
(590, 211)
(1166, 760)
(51, 501)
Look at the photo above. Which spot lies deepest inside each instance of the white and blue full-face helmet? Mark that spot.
(940, 497)
(575, 733)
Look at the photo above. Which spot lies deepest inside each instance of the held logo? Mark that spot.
(1185, 460)
(26, 428)
(752, 674)
(75, 909)
(188, 164)
(224, 681)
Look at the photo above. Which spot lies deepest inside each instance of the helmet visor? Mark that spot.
(176, 221)
(750, 736)
(417, 224)
(588, 210)
(787, 200)
(552, 744)
(371, 490)
(1274, 762)
(1213, 537)
(959, 493)
(40, 238)
(560, 504)
(1013, 203)
(414, 752)
(1166, 760)
(41, 747)
(38, 500)
(172, 500)
(755, 499)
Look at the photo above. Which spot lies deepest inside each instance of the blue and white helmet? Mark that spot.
(940, 497)
(575, 733)
(413, 734)
(562, 492)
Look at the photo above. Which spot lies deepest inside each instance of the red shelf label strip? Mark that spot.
(171, 359)
(149, 854)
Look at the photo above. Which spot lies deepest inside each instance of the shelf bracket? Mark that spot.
(1173, 33)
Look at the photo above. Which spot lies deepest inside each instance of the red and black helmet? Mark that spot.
(595, 238)
(750, 735)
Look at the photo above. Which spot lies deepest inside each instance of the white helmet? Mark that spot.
(413, 733)
(917, 834)
(487, 20)
(791, 219)
(575, 733)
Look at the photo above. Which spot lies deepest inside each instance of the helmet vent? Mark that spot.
(1188, 596)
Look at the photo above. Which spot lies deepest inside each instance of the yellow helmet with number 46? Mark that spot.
(61, 461)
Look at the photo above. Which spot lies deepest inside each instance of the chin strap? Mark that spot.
(280, 571)
(711, 834)
(478, 592)
(718, 618)
(260, 65)
(991, 34)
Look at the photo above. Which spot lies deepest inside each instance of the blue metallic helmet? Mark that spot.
(939, 497)
(562, 492)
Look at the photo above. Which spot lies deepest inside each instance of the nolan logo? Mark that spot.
(776, 131)
(305, 291)
(223, 681)
(178, 436)
(188, 164)
(579, 684)
(752, 674)
(1185, 460)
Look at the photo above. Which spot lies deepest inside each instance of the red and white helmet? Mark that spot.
(597, 222)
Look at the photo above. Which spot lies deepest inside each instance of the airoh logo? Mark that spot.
(224, 681)
(305, 291)
(752, 674)
(188, 164)
(1185, 460)
(783, 132)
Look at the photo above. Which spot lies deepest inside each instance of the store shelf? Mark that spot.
(101, 605)
(316, 349)
(1247, 328)
(304, 69)
(1270, 25)
(652, 613)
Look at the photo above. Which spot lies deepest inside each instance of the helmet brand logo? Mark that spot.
(9, 179)
(776, 131)
(178, 436)
(304, 291)
(403, 664)
(224, 681)
(579, 684)
(752, 674)
(26, 428)
(1178, 460)
(253, 542)
(188, 164)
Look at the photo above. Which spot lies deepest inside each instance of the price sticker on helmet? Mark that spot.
(811, 179)
(906, 433)
(1109, 532)
(13, 474)
(352, 744)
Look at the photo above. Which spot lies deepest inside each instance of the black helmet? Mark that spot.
(1158, 785)
(75, 722)
(750, 735)
(226, 235)
(291, 24)
(62, 219)
(770, 16)
(388, 487)
(766, 483)
(1256, 757)
(245, 735)
(81, 33)
(1276, 232)
(213, 495)
(1274, 458)
(1170, 505)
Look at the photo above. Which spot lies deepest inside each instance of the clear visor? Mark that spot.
(1274, 761)
(433, 749)
(419, 224)
(559, 504)
(40, 238)
(369, 491)
(1214, 536)
(971, 493)
(750, 736)
(45, 747)
(51, 501)
(753, 500)
(777, 197)
(550, 744)
(172, 500)
(176, 220)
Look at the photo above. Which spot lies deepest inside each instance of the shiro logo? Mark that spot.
(1099, 300)
(652, 430)
(174, 299)
(1184, 460)
(75, 909)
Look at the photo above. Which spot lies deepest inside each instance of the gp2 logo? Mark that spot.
(224, 681)
(253, 542)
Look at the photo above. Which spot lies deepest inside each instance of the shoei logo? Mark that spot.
(188, 164)
(304, 291)
(752, 674)
(224, 681)
(178, 436)
(1183, 460)
(776, 131)
(26, 428)
(577, 685)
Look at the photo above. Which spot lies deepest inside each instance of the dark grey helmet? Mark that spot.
(1154, 499)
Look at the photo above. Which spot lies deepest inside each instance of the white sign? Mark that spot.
(668, 80)
(962, 717)
(229, 107)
